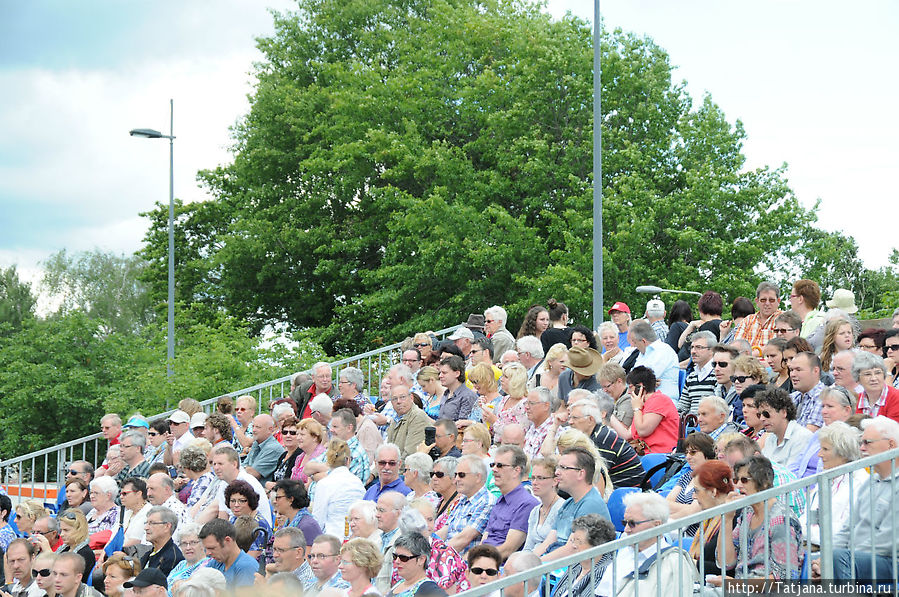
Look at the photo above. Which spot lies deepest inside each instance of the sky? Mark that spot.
(814, 84)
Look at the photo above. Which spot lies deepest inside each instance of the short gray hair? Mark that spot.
(578, 394)
(719, 404)
(404, 372)
(412, 521)
(322, 365)
(353, 375)
(321, 404)
(165, 515)
(367, 509)
(476, 464)
(530, 345)
(189, 529)
(643, 331)
(421, 464)
(521, 561)
(864, 361)
(448, 464)
(653, 506)
(498, 312)
(292, 585)
(843, 439)
(888, 428)
(605, 404)
(607, 325)
(543, 394)
(765, 287)
(295, 535)
(107, 485)
(706, 335)
(137, 438)
(280, 409)
(387, 446)
(588, 409)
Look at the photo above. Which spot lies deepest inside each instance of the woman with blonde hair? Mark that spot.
(555, 362)
(190, 406)
(360, 562)
(337, 491)
(510, 409)
(26, 513)
(118, 570)
(311, 438)
(838, 336)
(429, 379)
(74, 535)
(476, 442)
(425, 347)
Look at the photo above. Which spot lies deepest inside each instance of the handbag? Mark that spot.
(639, 446)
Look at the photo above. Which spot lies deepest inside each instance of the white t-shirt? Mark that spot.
(134, 524)
(265, 508)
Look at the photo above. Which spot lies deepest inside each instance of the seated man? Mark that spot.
(701, 381)
(507, 525)
(575, 473)
(265, 449)
(289, 552)
(785, 440)
(219, 538)
(468, 520)
(734, 448)
(712, 417)
(657, 356)
(625, 468)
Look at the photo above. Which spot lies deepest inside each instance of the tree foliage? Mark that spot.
(16, 300)
(407, 162)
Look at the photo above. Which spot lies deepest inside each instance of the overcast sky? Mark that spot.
(813, 82)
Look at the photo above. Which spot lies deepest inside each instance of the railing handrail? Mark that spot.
(209, 401)
(681, 524)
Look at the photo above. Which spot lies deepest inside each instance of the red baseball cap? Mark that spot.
(619, 306)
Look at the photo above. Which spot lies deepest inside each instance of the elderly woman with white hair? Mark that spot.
(877, 396)
(838, 446)
(608, 340)
(418, 478)
(363, 521)
(350, 383)
(194, 554)
(105, 514)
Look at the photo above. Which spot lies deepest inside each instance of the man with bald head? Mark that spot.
(265, 450)
(512, 435)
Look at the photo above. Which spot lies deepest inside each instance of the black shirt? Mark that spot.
(165, 559)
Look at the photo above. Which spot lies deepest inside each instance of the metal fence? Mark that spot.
(554, 578)
(36, 474)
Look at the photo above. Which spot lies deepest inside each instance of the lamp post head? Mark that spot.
(649, 289)
(149, 134)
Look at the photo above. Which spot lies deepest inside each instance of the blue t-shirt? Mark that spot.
(241, 573)
(591, 503)
(623, 344)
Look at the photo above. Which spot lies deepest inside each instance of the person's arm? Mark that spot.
(646, 423)
(463, 538)
(514, 540)
(541, 547)
(681, 510)
(694, 325)
(728, 559)
(619, 428)
(443, 531)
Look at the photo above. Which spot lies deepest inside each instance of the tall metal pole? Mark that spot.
(171, 332)
(597, 172)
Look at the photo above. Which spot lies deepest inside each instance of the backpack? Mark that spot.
(672, 466)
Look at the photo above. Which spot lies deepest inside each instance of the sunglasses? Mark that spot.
(421, 344)
(739, 378)
(289, 432)
(765, 414)
(721, 364)
(743, 480)
(390, 463)
(630, 523)
(500, 465)
(438, 474)
(461, 475)
(45, 573)
(70, 516)
(487, 571)
(783, 330)
(892, 347)
(403, 557)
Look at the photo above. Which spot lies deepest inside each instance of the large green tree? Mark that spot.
(407, 162)
(16, 300)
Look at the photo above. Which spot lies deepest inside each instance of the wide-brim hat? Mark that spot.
(476, 321)
(584, 361)
(843, 300)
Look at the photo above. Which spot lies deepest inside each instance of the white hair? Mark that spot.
(653, 506)
(578, 394)
(888, 428)
(280, 409)
(511, 353)
(476, 463)
(717, 403)
(607, 325)
(107, 485)
(322, 403)
(420, 463)
(588, 409)
(405, 374)
(322, 365)
(843, 439)
(530, 345)
(388, 446)
(366, 509)
(498, 312)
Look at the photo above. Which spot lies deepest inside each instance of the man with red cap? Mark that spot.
(621, 317)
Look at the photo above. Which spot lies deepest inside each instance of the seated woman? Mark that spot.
(410, 560)
(363, 521)
(587, 532)
(360, 561)
(445, 566)
(554, 363)
(484, 563)
(26, 513)
(655, 427)
(755, 426)
(104, 516)
(759, 543)
(337, 491)
(774, 356)
(118, 570)
(838, 446)
(700, 448)
(243, 500)
(713, 484)
(542, 518)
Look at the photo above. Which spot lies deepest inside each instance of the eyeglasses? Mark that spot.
(289, 432)
(767, 300)
(630, 523)
(320, 556)
(489, 320)
(722, 364)
(890, 347)
(740, 378)
(156, 522)
(72, 472)
(461, 474)
(438, 474)
(569, 468)
(70, 516)
(487, 571)
(500, 465)
(783, 330)
(541, 478)
(235, 500)
(152, 434)
(421, 344)
(279, 496)
(765, 414)
(868, 442)
(284, 549)
(692, 451)
(45, 572)
(699, 347)
(871, 373)
(390, 463)
(743, 480)
(403, 557)
(189, 543)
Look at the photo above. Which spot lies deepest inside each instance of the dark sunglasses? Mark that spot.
(721, 364)
(743, 480)
(70, 516)
(739, 378)
(438, 474)
(783, 330)
(892, 346)
(461, 475)
(403, 557)
(487, 571)
(421, 344)
(387, 463)
(765, 414)
(500, 465)
(289, 432)
(45, 573)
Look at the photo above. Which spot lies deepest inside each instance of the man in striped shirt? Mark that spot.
(701, 381)
(625, 468)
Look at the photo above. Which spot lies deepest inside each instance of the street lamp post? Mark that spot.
(657, 290)
(154, 134)
(597, 171)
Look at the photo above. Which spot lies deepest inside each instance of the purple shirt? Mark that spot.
(510, 513)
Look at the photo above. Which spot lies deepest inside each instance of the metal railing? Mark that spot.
(37, 473)
(674, 532)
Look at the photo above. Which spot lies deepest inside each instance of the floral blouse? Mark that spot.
(445, 566)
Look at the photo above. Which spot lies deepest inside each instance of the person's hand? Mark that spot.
(638, 398)
(724, 327)
(559, 419)
(487, 414)
(424, 448)
(816, 568)
(610, 353)
(695, 324)
(40, 543)
(234, 424)
(170, 438)
(258, 579)
(712, 580)
(100, 554)
(462, 424)
(368, 409)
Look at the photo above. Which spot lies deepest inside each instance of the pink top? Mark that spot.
(297, 472)
(664, 438)
(505, 416)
